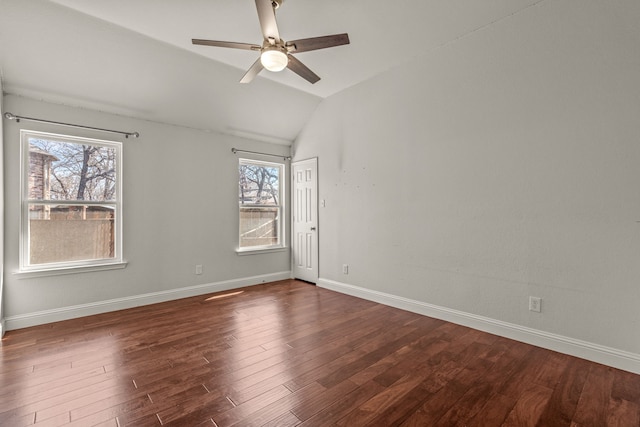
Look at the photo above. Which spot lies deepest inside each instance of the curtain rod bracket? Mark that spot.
(10, 116)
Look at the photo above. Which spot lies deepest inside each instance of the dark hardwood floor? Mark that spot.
(289, 353)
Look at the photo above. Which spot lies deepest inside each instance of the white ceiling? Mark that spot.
(135, 57)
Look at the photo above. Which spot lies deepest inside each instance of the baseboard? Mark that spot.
(72, 312)
(586, 350)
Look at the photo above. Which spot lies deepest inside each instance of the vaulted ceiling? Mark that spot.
(135, 57)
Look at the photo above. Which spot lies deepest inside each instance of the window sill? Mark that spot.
(26, 274)
(242, 252)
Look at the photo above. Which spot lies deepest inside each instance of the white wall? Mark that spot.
(180, 209)
(2, 327)
(502, 165)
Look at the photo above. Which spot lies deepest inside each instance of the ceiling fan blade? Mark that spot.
(267, 17)
(233, 45)
(252, 72)
(302, 70)
(315, 43)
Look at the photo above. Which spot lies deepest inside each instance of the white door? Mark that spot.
(305, 220)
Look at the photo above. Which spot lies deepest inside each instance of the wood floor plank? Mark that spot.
(285, 420)
(369, 410)
(108, 423)
(192, 407)
(11, 419)
(245, 409)
(395, 414)
(434, 407)
(276, 409)
(332, 413)
(133, 409)
(56, 420)
(566, 393)
(623, 413)
(467, 406)
(625, 386)
(345, 356)
(287, 354)
(529, 407)
(304, 411)
(495, 412)
(592, 408)
(413, 360)
(371, 355)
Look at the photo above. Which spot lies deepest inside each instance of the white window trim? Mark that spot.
(27, 274)
(254, 250)
(116, 262)
(260, 250)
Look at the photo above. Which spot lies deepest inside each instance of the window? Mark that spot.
(260, 193)
(71, 202)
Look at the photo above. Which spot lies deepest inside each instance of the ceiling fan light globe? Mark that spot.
(274, 60)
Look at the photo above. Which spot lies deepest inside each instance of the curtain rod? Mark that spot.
(235, 150)
(31, 119)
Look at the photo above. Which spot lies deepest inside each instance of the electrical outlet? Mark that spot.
(345, 268)
(535, 304)
(198, 269)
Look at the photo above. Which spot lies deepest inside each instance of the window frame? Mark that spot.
(66, 267)
(281, 245)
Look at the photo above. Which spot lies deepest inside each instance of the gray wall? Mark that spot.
(502, 165)
(179, 209)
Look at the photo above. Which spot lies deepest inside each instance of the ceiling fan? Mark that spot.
(275, 53)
